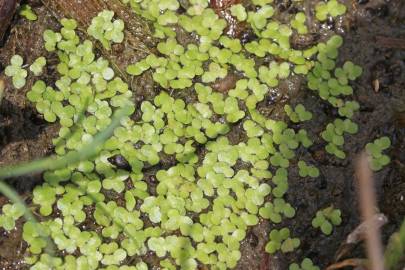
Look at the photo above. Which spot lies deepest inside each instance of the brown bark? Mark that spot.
(7, 10)
(138, 38)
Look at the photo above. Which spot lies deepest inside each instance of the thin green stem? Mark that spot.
(16, 199)
(54, 162)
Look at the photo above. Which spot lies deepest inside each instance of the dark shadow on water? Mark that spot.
(22, 123)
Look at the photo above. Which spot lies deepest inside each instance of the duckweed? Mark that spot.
(105, 30)
(196, 165)
(377, 159)
(11, 213)
(239, 12)
(205, 24)
(197, 7)
(331, 8)
(348, 109)
(326, 218)
(27, 12)
(51, 40)
(299, 114)
(280, 240)
(334, 135)
(275, 210)
(258, 19)
(299, 23)
(306, 264)
(307, 170)
(38, 65)
(16, 71)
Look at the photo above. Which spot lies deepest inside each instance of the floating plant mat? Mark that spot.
(198, 174)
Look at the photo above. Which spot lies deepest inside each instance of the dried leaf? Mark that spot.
(358, 234)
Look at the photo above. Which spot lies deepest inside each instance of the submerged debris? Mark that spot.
(225, 84)
(120, 162)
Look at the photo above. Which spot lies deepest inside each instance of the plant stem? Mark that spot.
(2, 87)
(368, 204)
(16, 199)
(54, 162)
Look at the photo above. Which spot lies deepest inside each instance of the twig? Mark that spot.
(348, 262)
(359, 234)
(389, 42)
(368, 204)
(2, 87)
(264, 264)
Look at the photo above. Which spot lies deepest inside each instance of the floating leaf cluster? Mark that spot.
(11, 213)
(27, 12)
(281, 240)
(17, 72)
(106, 30)
(299, 114)
(332, 85)
(307, 170)
(331, 8)
(326, 218)
(298, 23)
(334, 135)
(377, 159)
(38, 65)
(306, 264)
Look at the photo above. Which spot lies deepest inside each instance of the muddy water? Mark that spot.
(380, 92)
(381, 113)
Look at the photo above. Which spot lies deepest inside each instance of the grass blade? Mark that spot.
(54, 162)
(12, 195)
